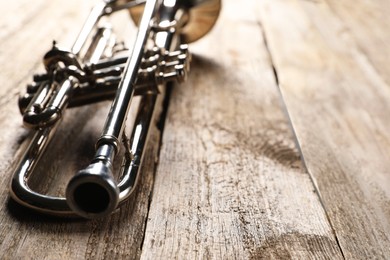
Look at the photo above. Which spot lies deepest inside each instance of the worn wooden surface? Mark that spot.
(233, 179)
(339, 107)
(230, 183)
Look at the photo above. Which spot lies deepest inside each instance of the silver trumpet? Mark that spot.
(91, 71)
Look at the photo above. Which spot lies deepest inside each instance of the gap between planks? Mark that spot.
(306, 50)
(209, 164)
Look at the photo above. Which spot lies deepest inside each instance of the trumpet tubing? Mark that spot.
(96, 69)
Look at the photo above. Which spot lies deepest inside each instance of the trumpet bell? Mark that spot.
(202, 16)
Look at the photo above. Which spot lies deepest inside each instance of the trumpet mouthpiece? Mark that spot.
(93, 193)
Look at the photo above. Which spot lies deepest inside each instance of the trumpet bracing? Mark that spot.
(95, 70)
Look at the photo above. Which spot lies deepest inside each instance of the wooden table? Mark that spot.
(277, 146)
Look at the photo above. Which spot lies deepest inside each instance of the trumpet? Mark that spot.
(96, 69)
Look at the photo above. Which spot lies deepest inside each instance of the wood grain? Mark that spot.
(230, 183)
(368, 23)
(339, 107)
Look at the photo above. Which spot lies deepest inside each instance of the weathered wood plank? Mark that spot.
(369, 23)
(339, 108)
(235, 184)
(230, 183)
(24, 234)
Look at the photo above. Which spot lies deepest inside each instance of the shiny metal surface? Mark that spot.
(85, 75)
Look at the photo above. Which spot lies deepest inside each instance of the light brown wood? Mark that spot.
(230, 183)
(339, 108)
(367, 22)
